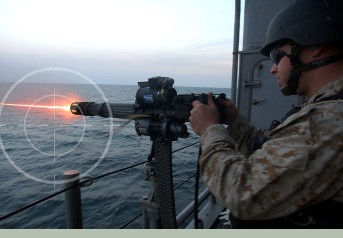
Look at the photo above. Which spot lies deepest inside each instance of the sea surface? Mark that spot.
(38, 144)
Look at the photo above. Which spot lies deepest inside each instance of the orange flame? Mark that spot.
(64, 107)
(60, 105)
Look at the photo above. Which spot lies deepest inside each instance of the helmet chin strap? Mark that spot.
(292, 84)
(298, 67)
(293, 80)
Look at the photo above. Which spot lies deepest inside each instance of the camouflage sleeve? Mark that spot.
(247, 138)
(292, 170)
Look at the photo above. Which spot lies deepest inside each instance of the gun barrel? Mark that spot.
(105, 109)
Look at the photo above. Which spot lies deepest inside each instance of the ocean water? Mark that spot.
(39, 144)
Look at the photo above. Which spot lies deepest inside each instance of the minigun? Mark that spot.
(158, 111)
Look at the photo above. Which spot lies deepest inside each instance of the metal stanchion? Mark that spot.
(73, 200)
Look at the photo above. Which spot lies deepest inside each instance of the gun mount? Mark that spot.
(160, 113)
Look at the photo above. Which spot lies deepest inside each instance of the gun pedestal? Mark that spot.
(151, 217)
(159, 207)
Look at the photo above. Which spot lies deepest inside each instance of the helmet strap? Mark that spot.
(298, 67)
(293, 81)
(321, 62)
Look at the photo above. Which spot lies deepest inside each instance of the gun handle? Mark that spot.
(221, 110)
(203, 98)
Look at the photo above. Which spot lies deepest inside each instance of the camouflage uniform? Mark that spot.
(301, 164)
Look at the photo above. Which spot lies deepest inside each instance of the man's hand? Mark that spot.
(203, 116)
(228, 109)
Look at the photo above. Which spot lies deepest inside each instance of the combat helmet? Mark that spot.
(305, 23)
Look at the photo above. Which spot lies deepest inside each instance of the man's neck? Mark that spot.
(316, 79)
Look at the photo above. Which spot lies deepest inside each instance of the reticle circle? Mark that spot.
(54, 69)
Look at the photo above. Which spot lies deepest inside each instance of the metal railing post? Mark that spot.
(73, 200)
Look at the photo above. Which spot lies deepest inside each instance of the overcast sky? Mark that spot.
(119, 41)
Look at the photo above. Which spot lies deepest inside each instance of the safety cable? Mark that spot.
(117, 171)
(32, 204)
(37, 202)
(132, 220)
(185, 147)
(62, 191)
